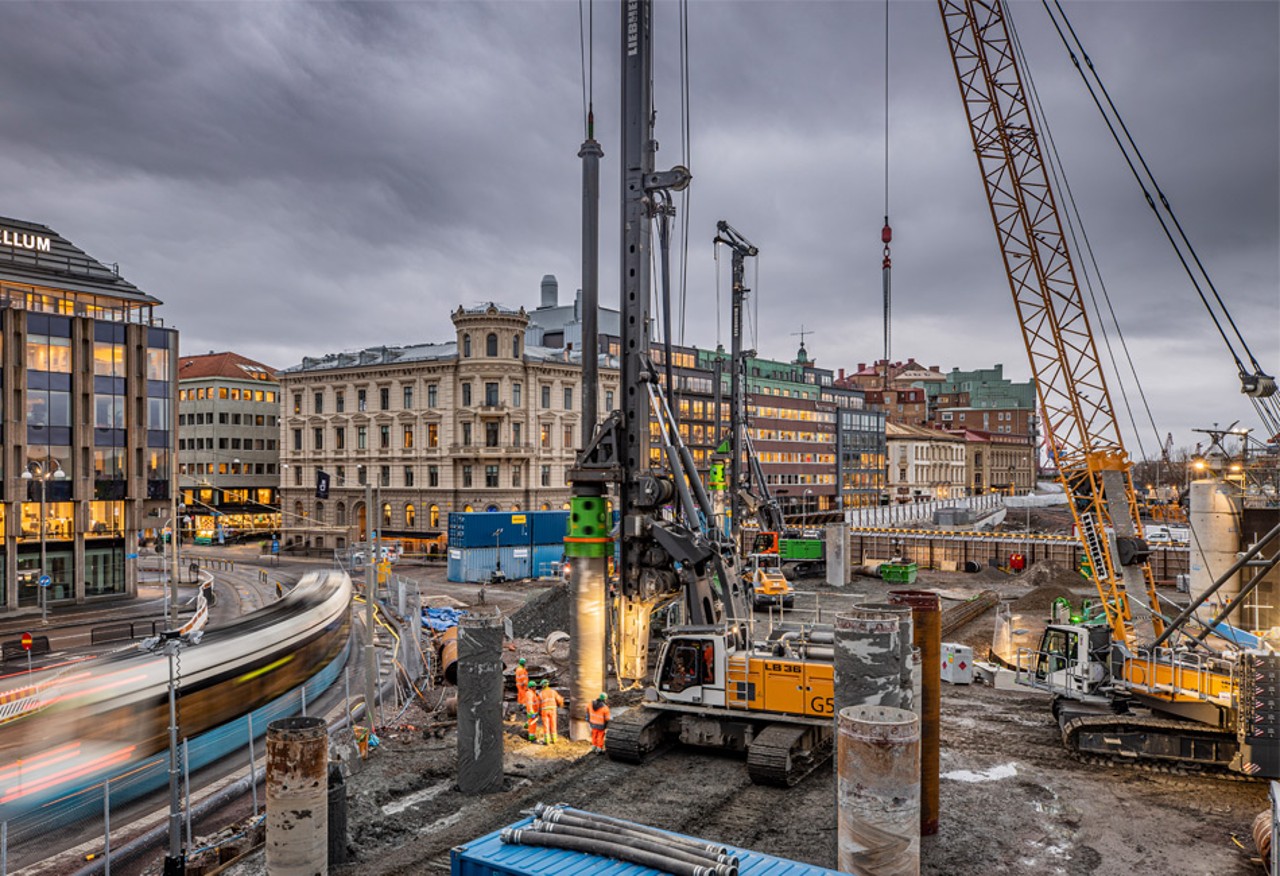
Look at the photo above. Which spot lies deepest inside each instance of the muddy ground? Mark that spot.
(1012, 800)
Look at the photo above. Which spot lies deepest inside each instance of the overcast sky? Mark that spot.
(299, 179)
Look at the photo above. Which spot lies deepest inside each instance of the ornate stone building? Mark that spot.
(482, 422)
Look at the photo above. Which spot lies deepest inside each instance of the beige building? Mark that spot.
(998, 463)
(924, 464)
(480, 423)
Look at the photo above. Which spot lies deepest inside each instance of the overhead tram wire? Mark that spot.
(1265, 402)
(1081, 243)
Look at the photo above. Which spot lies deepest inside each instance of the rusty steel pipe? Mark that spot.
(449, 654)
(878, 791)
(297, 797)
(926, 610)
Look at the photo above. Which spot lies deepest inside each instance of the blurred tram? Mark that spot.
(108, 718)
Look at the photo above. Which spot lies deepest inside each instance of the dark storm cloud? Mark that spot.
(293, 179)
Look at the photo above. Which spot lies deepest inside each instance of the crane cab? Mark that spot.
(691, 667)
(1071, 660)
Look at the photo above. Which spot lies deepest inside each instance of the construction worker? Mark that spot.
(532, 716)
(522, 685)
(549, 700)
(598, 718)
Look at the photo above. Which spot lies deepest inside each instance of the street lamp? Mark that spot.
(36, 471)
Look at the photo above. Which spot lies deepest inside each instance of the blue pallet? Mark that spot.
(489, 856)
(475, 529)
(476, 565)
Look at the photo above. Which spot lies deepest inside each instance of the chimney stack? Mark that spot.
(550, 291)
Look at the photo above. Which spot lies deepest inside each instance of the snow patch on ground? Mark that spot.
(1003, 771)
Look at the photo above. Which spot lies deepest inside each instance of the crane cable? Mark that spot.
(886, 233)
(1269, 411)
(1072, 220)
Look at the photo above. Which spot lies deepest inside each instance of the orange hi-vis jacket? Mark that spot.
(598, 719)
(549, 699)
(522, 686)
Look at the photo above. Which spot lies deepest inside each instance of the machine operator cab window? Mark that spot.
(691, 665)
(1058, 665)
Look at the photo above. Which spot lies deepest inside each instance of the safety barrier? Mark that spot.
(12, 649)
(125, 631)
(952, 551)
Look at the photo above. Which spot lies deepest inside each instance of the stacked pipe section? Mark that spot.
(562, 827)
(877, 742)
(588, 546)
(479, 669)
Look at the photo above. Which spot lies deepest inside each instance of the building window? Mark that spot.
(297, 475)
(516, 430)
(466, 475)
(408, 437)
(362, 400)
(568, 437)
(361, 475)
(466, 395)
(433, 516)
(608, 399)
(384, 398)
(491, 394)
(339, 401)
(544, 439)
(362, 437)
(408, 398)
(515, 347)
(384, 479)
(433, 395)
(433, 435)
(319, 400)
(546, 396)
(515, 476)
(384, 437)
(319, 438)
(408, 476)
(466, 434)
(491, 345)
(568, 398)
(546, 475)
(491, 476)
(297, 402)
(433, 476)
(466, 346)
(516, 392)
(410, 516)
(491, 434)
(340, 438)
(297, 439)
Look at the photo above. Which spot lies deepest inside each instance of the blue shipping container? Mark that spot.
(476, 565)
(489, 856)
(546, 559)
(549, 527)
(476, 529)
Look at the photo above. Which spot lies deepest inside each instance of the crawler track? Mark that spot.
(783, 754)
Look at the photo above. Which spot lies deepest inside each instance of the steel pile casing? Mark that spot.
(589, 546)
(479, 670)
(878, 791)
(868, 659)
(297, 788)
(906, 639)
(926, 610)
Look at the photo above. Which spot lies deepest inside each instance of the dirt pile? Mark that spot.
(1048, 572)
(544, 613)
